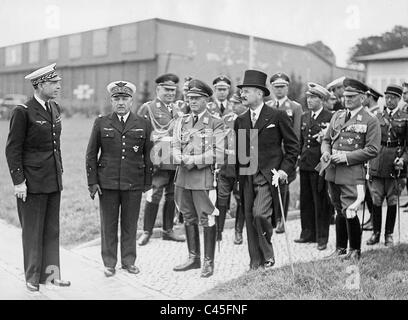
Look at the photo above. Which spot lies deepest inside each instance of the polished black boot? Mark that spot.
(221, 221)
(389, 225)
(193, 245)
(150, 214)
(376, 219)
(375, 238)
(209, 251)
(239, 225)
(168, 222)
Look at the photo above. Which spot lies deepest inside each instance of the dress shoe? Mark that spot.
(32, 287)
(368, 226)
(280, 228)
(238, 238)
(269, 263)
(375, 238)
(131, 269)
(144, 239)
(389, 241)
(322, 246)
(302, 240)
(339, 252)
(171, 236)
(61, 283)
(353, 254)
(109, 272)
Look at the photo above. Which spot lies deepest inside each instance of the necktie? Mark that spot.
(348, 116)
(277, 104)
(253, 119)
(195, 119)
(222, 108)
(122, 121)
(47, 105)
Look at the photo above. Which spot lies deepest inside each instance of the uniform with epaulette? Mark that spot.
(198, 143)
(314, 213)
(220, 106)
(353, 138)
(33, 153)
(385, 175)
(294, 111)
(336, 86)
(119, 167)
(162, 118)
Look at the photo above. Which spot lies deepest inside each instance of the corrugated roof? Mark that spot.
(387, 55)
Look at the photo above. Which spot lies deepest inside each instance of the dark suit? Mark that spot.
(34, 156)
(123, 170)
(314, 213)
(257, 194)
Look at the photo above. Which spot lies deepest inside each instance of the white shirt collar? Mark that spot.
(169, 105)
(40, 101)
(281, 101)
(200, 114)
(392, 111)
(257, 111)
(125, 117)
(355, 111)
(317, 112)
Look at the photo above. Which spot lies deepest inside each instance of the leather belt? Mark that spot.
(391, 144)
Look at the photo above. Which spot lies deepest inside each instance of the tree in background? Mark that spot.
(322, 50)
(397, 38)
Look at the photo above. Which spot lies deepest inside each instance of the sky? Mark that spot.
(339, 24)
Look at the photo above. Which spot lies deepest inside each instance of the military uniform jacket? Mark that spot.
(204, 143)
(33, 149)
(394, 133)
(124, 154)
(294, 111)
(162, 121)
(359, 138)
(228, 168)
(310, 147)
(214, 108)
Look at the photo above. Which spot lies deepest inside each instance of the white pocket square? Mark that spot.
(270, 126)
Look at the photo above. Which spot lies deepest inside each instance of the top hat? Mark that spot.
(255, 79)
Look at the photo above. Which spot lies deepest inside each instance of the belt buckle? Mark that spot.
(388, 144)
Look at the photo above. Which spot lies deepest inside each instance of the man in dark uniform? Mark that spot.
(162, 114)
(120, 174)
(280, 87)
(260, 133)
(353, 137)
(34, 158)
(337, 87)
(389, 167)
(371, 103)
(220, 105)
(198, 146)
(314, 213)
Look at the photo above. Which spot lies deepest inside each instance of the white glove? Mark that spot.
(279, 175)
(20, 191)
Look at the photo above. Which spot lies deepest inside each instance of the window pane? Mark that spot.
(13, 55)
(53, 48)
(129, 38)
(34, 52)
(100, 42)
(75, 46)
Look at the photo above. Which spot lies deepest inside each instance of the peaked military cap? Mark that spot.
(198, 88)
(116, 88)
(168, 80)
(222, 81)
(374, 93)
(44, 74)
(335, 83)
(353, 87)
(279, 79)
(394, 89)
(317, 90)
(255, 79)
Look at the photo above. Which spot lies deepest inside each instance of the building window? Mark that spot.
(13, 55)
(33, 52)
(53, 48)
(100, 42)
(75, 46)
(128, 38)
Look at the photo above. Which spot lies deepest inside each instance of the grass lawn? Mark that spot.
(79, 214)
(381, 274)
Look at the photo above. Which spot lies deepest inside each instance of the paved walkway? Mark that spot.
(83, 266)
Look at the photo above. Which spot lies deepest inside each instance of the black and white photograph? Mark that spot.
(203, 154)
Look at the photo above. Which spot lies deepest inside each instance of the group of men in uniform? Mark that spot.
(199, 150)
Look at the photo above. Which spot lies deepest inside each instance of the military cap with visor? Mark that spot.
(45, 74)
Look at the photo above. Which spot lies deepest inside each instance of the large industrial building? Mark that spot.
(140, 51)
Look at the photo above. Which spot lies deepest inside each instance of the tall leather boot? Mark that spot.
(209, 251)
(193, 245)
(150, 214)
(239, 225)
(168, 222)
(376, 219)
(221, 221)
(389, 224)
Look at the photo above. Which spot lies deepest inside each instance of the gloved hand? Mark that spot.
(279, 176)
(20, 191)
(399, 163)
(325, 156)
(93, 188)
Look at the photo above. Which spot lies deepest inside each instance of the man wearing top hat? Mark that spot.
(337, 87)
(162, 114)
(280, 88)
(353, 137)
(119, 169)
(198, 145)
(260, 133)
(33, 155)
(220, 105)
(314, 213)
(389, 167)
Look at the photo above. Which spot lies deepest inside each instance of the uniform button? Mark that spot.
(308, 146)
(252, 147)
(53, 125)
(55, 150)
(124, 143)
(123, 150)
(340, 145)
(308, 140)
(123, 137)
(54, 133)
(123, 157)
